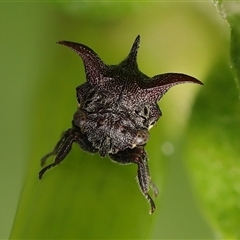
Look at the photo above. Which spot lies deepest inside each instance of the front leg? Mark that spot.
(64, 146)
(138, 156)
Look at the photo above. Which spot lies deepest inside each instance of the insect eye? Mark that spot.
(141, 137)
(80, 118)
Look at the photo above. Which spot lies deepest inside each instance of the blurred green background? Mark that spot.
(90, 197)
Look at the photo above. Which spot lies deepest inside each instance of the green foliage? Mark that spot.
(230, 11)
(213, 152)
(90, 197)
(98, 11)
(212, 146)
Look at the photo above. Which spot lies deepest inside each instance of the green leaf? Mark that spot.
(86, 196)
(230, 11)
(213, 151)
(213, 141)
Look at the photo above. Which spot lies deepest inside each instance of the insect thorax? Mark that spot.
(110, 122)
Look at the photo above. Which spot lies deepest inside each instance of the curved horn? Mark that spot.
(158, 85)
(94, 66)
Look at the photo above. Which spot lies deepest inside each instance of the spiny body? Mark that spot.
(117, 106)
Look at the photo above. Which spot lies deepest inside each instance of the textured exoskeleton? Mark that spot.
(117, 105)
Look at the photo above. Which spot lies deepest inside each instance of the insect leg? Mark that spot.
(138, 156)
(61, 150)
(85, 144)
(143, 178)
(154, 188)
(52, 153)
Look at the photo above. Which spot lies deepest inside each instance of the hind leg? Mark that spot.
(138, 156)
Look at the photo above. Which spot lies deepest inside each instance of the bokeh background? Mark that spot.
(90, 197)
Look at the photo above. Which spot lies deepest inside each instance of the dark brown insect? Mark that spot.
(117, 106)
